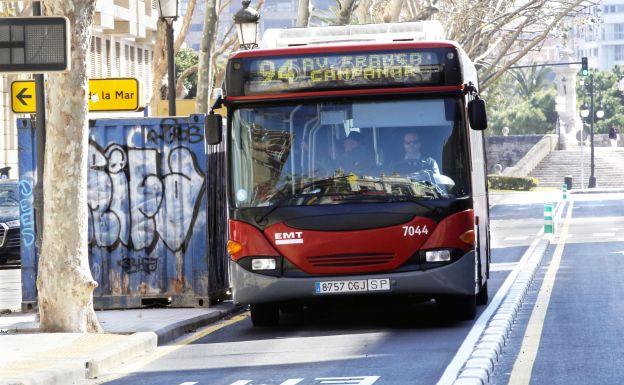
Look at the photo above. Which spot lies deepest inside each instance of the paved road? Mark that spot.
(575, 336)
(362, 344)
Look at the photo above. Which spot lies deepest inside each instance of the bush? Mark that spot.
(511, 183)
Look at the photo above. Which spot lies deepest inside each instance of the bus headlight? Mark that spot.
(438, 256)
(263, 264)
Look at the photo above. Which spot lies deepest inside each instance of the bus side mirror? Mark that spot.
(213, 128)
(477, 115)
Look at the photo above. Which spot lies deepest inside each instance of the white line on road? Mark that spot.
(366, 380)
(604, 234)
(507, 266)
(516, 238)
(465, 350)
(189, 383)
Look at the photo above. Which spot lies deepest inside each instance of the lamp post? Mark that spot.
(168, 12)
(591, 112)
(246, 20)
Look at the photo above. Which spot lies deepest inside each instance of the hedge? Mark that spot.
(498, 182)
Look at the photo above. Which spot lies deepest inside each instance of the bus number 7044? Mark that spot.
(410, 231)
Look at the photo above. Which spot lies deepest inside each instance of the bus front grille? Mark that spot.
(350, 260)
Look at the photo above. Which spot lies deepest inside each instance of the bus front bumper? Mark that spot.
(457, 278)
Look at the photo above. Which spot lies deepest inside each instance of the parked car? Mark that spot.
(9, 221)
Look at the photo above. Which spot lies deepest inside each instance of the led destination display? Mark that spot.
(269, 75)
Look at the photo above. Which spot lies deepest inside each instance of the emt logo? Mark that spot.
(289, 238)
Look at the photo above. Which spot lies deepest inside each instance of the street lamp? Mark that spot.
(591, 112)
(246, 20)
(168, 13)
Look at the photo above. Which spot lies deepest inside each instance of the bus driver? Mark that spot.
(413, 160)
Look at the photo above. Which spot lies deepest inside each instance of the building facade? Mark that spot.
(122, 45)
(602, 43)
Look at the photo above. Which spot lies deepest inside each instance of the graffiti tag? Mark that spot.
(144, 264)
(27, 217)
(170, 131)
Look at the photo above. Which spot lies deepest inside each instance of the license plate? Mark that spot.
(353, 286)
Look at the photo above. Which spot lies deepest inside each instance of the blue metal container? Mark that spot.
(157, 215)
(27, 158)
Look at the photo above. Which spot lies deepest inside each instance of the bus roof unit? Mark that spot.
(292, 37)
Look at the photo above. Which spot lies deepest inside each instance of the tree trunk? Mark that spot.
(346, 10)
(185, 74)
(303, 13)
(159, 65)
(64, 281)
(205, 71)
(393, 11)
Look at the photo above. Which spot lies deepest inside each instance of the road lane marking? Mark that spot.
(189, 383)
(465, 350)
(162, 351)
(604, 234)
(516, 238)
(506, 266)
(360, 380)
(366, 380)
(523, 367)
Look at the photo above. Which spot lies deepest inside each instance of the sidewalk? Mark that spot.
(523, 197)
(10, 290)
(28, 357)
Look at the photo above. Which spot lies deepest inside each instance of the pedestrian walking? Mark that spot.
(613, 136)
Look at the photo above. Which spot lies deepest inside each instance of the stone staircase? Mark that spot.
(609, 168)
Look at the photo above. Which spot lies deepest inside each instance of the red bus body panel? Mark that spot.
(351, 252)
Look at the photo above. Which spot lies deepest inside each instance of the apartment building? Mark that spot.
(122, 45)
(602, 43)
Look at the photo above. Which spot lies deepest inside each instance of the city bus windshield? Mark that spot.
(341, 152)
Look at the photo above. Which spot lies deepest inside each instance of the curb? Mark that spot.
(598, 191)
(487, 350)
(106, 360)
(135, 344)
(177, 329)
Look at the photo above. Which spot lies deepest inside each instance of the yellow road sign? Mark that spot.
(23, 96)
(113, 94)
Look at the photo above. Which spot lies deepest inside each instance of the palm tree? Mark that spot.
(530, 80)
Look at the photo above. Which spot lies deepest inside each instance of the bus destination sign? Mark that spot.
(270, 75)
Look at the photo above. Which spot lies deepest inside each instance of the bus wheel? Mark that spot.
(460, 308)
(483, 296)
(264, 314)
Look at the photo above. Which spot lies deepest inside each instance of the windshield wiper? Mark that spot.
(286, 197)
(393, 198)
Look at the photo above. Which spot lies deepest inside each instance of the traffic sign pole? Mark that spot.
(40, 145)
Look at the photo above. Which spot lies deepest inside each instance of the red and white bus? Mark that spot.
(356, 169)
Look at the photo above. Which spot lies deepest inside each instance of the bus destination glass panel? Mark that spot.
(350, 70)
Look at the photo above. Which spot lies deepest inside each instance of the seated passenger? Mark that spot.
(413, 160)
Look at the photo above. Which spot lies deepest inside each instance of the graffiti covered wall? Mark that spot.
(148, 211)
